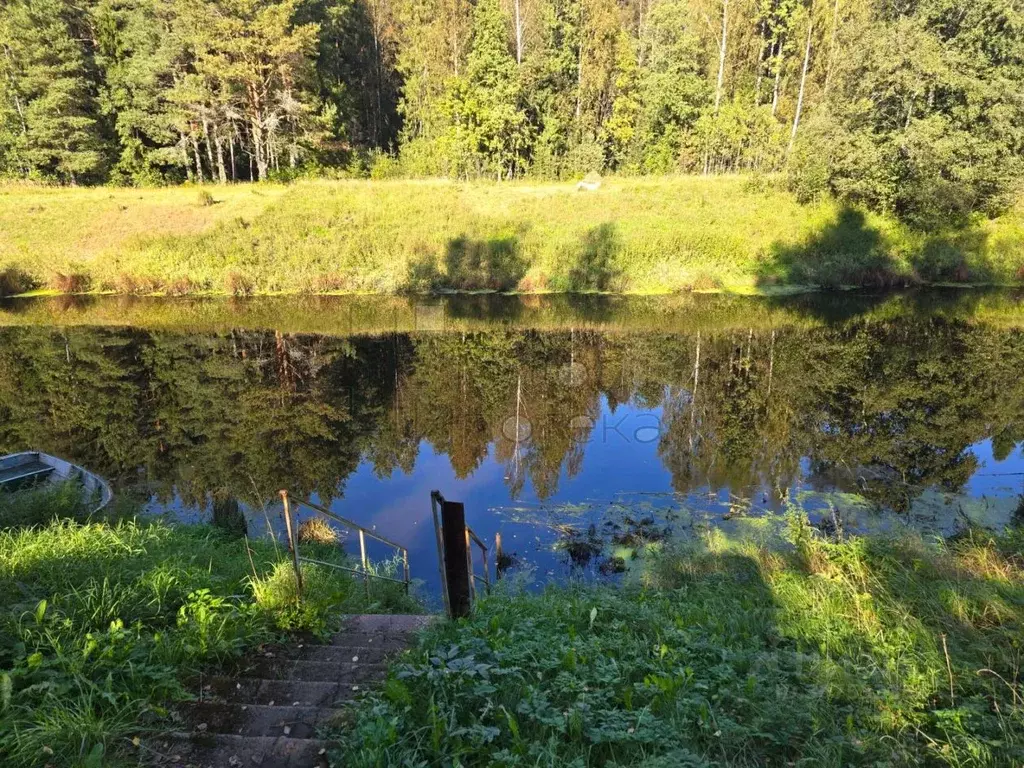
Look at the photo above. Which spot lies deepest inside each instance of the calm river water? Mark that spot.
(610, 419)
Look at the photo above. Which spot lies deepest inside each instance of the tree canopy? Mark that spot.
(913, 107)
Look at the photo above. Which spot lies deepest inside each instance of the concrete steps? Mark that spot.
(272, 713)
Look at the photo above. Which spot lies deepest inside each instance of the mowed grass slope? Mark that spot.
(632, 235)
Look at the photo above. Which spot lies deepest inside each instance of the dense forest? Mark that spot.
(911, 106)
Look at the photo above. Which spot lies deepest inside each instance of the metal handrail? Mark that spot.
(486, 579)
(293, 545)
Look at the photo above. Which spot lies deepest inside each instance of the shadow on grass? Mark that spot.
(850, 252)
(612, 676)
(928, 634)
(594, 268)
(14, 280)
(494, 263)
(847, 252)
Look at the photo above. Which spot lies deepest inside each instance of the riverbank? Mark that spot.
(632, 235)
(895, 651)
(104, 624)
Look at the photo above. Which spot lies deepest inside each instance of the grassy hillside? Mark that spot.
(632, 235)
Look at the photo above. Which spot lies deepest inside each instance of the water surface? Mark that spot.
(615, 419)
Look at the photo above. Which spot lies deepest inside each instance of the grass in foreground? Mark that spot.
(632, 235)
(102, 625)
(865, 652)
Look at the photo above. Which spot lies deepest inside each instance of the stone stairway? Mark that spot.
(270, 715)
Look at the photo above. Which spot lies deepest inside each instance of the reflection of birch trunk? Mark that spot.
(519, 400)
(693, 394)
(398, 384)
(771, 363)
(283, 367)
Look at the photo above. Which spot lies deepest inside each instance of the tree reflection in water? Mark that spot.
(885, 404)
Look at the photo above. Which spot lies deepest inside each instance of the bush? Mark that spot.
(384, 165)
(136, 284)
(183, 286)
(583, 158)
(14, 281)
(238, 284)
(72, 282)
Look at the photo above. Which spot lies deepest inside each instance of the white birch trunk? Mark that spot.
(803, 84)
(723, 44)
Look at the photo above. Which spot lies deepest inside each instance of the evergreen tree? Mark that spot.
(51, 126)
(138, 58)
(488, 125)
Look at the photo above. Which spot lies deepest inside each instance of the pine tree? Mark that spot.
(139, 58)
(47, 83)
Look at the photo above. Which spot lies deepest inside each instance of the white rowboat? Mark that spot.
(33, 467)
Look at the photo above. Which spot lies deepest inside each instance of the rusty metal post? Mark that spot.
(497, 556)
(293, 543)
(362, 554)
(456, 558)
(487, 572)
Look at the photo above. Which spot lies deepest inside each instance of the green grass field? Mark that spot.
(865, 652)
(104, 622)
(632, 235)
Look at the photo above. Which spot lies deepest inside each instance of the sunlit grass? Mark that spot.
(756, 650)
(652, 235)
(102, 624)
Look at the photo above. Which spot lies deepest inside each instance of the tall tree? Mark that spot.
(47, 85)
